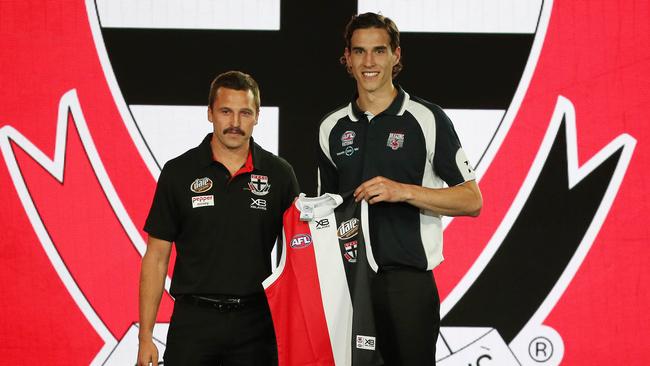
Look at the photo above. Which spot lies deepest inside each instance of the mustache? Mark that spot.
(235, 130)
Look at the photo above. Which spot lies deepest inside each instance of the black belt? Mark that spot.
(224, 303)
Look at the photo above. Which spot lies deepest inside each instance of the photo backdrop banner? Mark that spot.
(550, 100)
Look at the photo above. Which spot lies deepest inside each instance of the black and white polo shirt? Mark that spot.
(412, 141)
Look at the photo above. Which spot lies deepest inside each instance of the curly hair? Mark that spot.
(372, 20)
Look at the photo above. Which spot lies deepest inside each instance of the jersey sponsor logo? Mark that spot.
(348, 229)
(322, 224)
(348, 151)
(366, 342)
(258, 203)
(259, 185)
(395, 140)
(202, 201)
(201, 185)
(350, 251)
(347, 138)
(300, 241)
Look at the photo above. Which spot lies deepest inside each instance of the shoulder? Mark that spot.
(425, 107)
(272, 161)
(333, 117)
(182, 162)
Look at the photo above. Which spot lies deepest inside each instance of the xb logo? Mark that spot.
(321, 224)
(258, 204)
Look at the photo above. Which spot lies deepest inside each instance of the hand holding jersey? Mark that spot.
(396, 152)
(449, 201)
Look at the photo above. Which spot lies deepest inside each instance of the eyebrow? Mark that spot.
(359, 48)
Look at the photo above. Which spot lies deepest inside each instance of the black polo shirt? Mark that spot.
(224, 227)
(413, 142)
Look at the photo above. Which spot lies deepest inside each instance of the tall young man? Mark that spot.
(396, 151)
(221, 203)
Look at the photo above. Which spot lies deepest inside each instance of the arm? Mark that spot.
(462, 200)
(152, 281)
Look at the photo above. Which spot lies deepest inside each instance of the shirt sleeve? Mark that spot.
(328, 177)
(449, 160)
(162, 221)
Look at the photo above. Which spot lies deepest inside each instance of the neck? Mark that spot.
(376, 101)
(232, 159)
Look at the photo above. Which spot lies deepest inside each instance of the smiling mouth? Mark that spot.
(370, 74)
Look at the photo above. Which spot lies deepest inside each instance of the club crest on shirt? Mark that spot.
(395, 140)
(350, 251)
(348, 229)
(201, 185)
(347, 138)
(259, 185)
(300, 241)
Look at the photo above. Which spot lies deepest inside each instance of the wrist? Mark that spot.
(144, 336)
(407, 192)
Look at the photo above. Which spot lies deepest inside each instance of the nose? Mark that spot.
(236, 120)
(368, 59)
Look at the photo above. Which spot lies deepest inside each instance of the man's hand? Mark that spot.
(147, 353)
(380, 189)
(462, 200)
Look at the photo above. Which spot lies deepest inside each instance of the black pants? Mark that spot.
(407, 316)
(200, 335)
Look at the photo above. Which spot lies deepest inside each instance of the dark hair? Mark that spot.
(236, 80)
(373, 20)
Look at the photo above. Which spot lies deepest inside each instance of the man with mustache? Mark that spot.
(221, 203)
(395, 151)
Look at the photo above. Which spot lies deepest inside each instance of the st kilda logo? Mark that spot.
(300, 241)
(259, 185)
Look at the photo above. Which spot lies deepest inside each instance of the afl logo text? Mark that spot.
(347, 138)
(348, 229)
(300, 241)
(201, 185)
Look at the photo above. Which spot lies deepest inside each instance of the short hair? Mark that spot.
(236, 80)
(373, 20)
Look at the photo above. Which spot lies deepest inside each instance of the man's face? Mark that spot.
(233, 115)
(371, 60)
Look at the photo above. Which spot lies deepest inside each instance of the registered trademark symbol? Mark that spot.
(540, 349)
